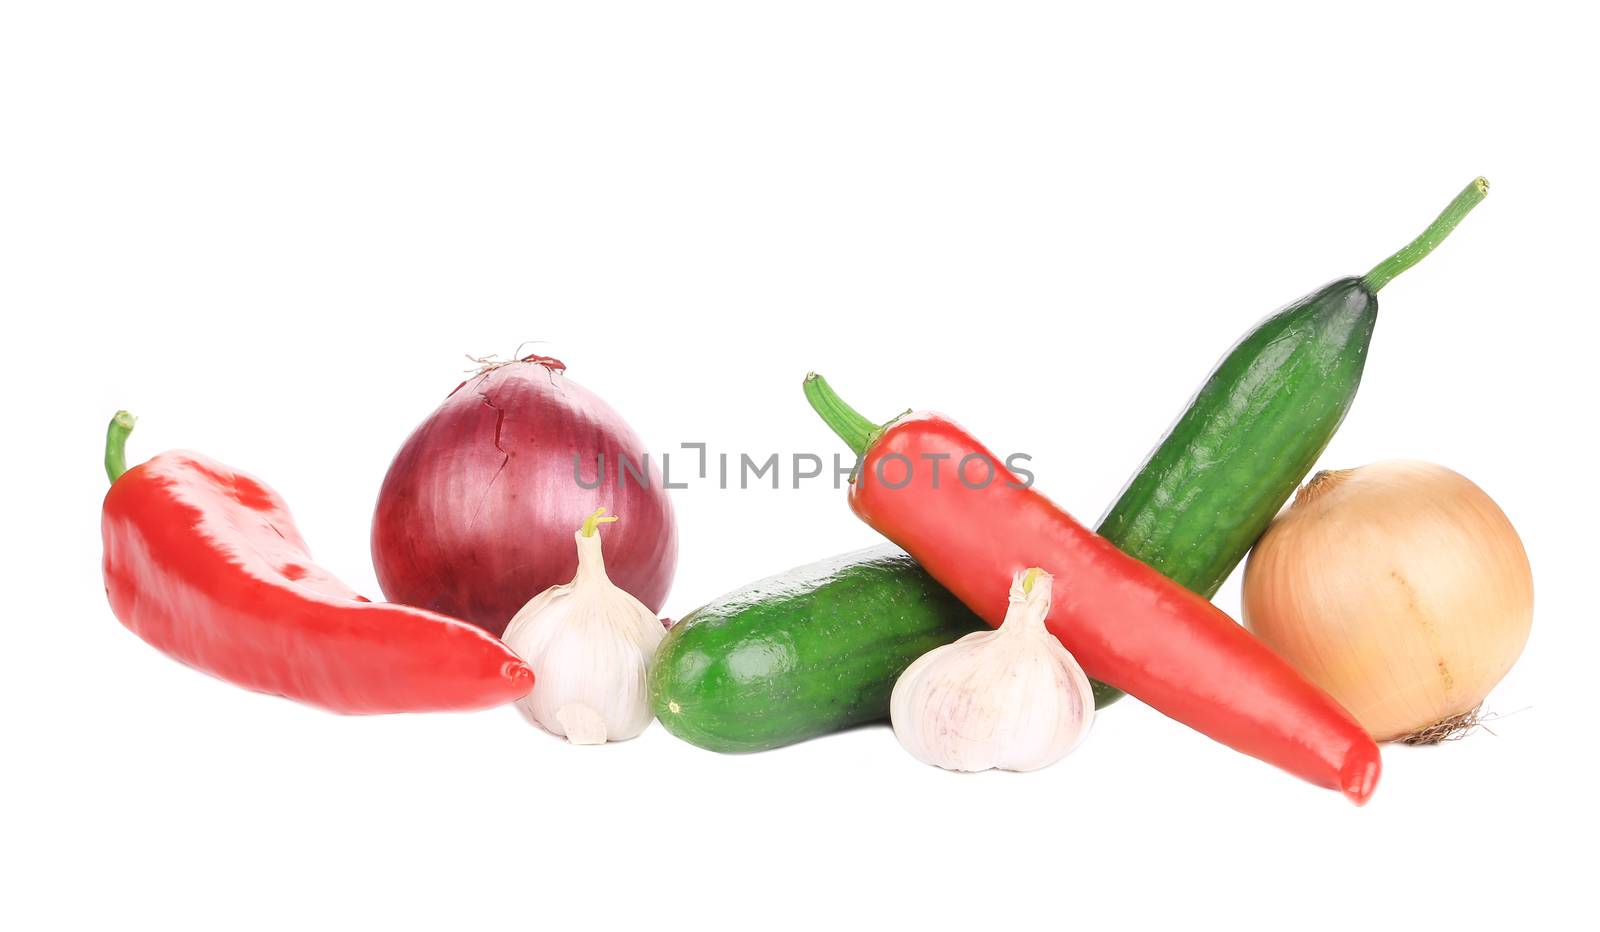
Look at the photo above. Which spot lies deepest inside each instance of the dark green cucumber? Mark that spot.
(1257, 426)
(803, 653)
(1247, 438)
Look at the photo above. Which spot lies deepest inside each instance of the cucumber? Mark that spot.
(1210, 487)
(801, 654)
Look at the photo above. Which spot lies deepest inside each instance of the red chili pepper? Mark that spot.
(974, 524)
(205, 564)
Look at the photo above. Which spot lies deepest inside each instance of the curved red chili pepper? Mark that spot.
(205, 564)
(972, 525)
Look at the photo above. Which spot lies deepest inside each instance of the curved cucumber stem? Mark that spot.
(1384, 272)
(856, 431)
(117, 443)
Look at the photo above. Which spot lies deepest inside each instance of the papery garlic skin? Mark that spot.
(1008, 699)
(589, 644)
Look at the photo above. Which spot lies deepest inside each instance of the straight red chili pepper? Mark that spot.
(974, 524)
(205, 564)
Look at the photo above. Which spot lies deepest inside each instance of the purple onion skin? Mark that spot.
(478, 509)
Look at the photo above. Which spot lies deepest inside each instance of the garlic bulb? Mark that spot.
(1009, 699)
(589, 644)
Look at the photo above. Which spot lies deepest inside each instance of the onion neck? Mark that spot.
(1321, 484)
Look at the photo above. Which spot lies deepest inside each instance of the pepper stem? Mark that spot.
(1384, 272)
(117, 443)
(856, 431)
(592, 523)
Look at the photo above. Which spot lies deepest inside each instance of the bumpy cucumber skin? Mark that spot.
(1247, 439)
(801, 654)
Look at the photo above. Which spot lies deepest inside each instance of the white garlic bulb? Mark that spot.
(1008, 699)
(589, 644)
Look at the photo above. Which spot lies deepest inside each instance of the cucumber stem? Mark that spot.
(1384, 272)
(117, 444)
(856, 431)
(593, 522)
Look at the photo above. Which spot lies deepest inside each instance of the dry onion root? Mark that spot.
(1401, 588)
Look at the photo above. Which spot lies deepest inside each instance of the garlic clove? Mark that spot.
(581, 724)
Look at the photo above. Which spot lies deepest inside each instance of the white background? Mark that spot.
(273, 230)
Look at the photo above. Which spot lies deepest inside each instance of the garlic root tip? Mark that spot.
(581, 724)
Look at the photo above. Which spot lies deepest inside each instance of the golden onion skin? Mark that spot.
(1401, 588)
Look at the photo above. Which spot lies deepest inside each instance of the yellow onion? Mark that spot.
(1400, 588)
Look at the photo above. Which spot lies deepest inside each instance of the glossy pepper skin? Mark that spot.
(1124, 622)
(205, 564)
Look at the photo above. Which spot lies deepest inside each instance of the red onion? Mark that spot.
(477, 512)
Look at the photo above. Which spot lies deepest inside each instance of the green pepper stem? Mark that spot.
(856, 431)
(593, 522)
(117, 444)
(1384, 272)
